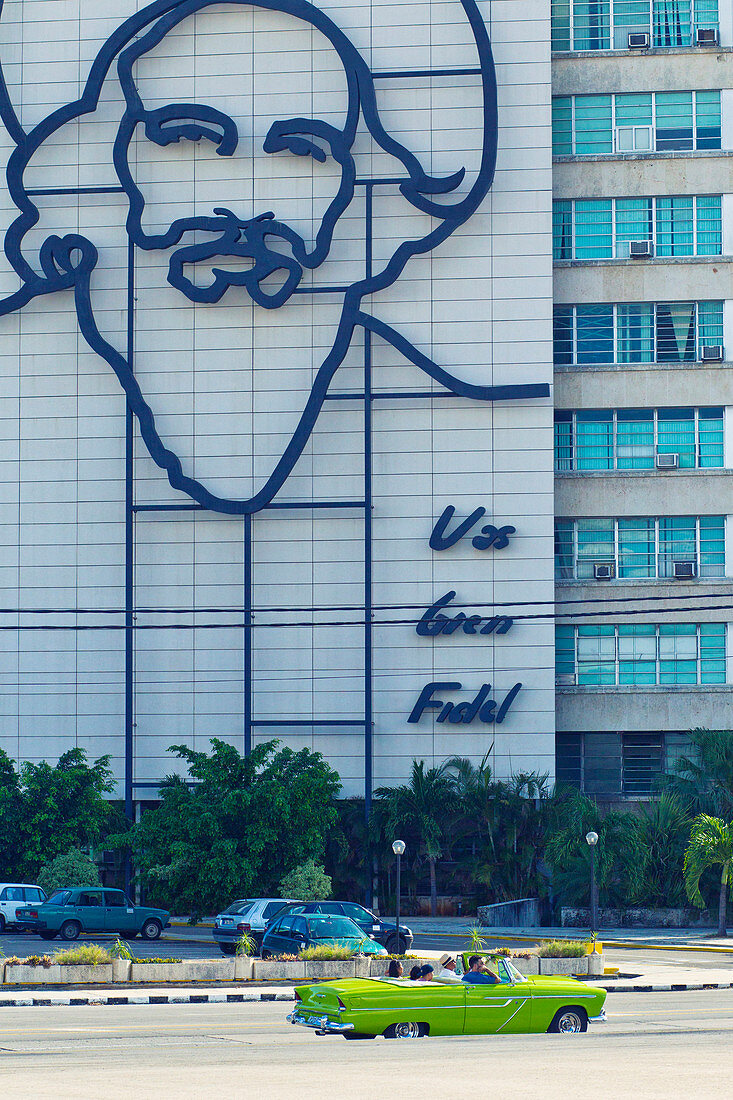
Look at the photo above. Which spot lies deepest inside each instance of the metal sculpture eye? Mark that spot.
(192, 122)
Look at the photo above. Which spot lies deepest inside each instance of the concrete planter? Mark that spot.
(363, 966)
(121, 970)
(596, 964)
(330, 969)
(243, 968)
(59, 975)
(199, 970)
(529, 966)
(567, 967)
(271, 970)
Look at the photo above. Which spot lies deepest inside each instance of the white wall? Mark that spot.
(227, 384)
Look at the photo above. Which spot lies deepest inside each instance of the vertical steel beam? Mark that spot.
(129, 566)
(368, 631)
(247, 635)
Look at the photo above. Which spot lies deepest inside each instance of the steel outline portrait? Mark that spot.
(67, 263)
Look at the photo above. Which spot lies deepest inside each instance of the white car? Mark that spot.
(13, 896)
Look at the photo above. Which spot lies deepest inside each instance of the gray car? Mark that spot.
(248, 916)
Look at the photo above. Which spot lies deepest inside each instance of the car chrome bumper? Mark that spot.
(319, 1023)
(600, 1019)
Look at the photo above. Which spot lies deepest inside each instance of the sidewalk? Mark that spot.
(691, 939)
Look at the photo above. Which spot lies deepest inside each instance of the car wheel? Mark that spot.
(70, 930)
(47, 935)
(227, 948)
(569, 1021)
(265, 954)
(152, 929)
(397, 945)
(405, 1031)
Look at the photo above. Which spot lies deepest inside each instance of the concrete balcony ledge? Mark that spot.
(644, 368)
(652, 261)
(645, 689)
(666, 154)
(652, 51)
(595, 475)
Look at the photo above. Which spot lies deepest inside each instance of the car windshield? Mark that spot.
(58, 897)
(333, 928)
(504, 968)
(240, 907)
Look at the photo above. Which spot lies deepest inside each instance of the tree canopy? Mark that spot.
(235, 827)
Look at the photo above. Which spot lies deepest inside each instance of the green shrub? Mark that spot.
(84, 954)
(33, 960)
(246, 945)
(73, 869)
(120, 950)
(561, 949)
(308, 882)
(326, 951)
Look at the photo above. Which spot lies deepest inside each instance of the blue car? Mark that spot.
(292, 933)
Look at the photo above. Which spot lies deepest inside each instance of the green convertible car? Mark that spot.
(362, 1008)
(83, 909)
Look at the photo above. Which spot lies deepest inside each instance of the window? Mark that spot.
(630, 439)
(34, 894)
(641, 654)
(602, 229)
(635, 122)
(635, 332)
(269, 911)
(12, 893)
(642, 760)
(606, 24)
(612, 764)
(90, 899)
(115, 899)
(357, 913)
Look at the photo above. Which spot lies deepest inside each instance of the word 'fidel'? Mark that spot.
(434, 623)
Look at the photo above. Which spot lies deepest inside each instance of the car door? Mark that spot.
(278, 937)
(11, 900)
(299, 935)
(119, 914)
(90, 910)
(504, 1007)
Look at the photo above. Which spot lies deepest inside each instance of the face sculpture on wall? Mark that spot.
(234, 248)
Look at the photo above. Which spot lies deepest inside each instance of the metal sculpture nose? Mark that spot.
(224, 212)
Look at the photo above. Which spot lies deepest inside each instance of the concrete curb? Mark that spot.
(158, 997)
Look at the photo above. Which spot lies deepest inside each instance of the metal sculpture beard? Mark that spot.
(67, 263)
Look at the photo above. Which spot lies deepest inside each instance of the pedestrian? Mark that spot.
(447, 972)
(394, 970)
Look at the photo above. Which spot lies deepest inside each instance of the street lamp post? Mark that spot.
(398, 847)
(591, 840)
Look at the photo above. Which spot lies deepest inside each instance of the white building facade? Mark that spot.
(276, 360)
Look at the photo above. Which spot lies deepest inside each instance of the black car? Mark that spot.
(382, 931)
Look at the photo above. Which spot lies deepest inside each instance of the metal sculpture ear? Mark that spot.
(67, 263)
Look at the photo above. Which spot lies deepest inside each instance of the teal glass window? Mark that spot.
(594, 440)
(672, 22)
(676, 435)
(635, 439)
(593, 124)
(709, 242)
(594, 334)
(676, 336)
(707, 120)
(637, 654)
(560, 25)
(634, 222)
(712, 653)
(596, 655)
(592, 24)
(562, 126)
(595, 544)
(594, 229)
(635, 332)
(563, 441)
(562, 335)
(564, 550)
(636, 548)
(710, 323)
(705, 14)
(710, 438)
(675, 226)
(712, 546)
(674, 121)
(562, 230)
(678, 653)
(564, 651)
(629, 17)
(677, 542)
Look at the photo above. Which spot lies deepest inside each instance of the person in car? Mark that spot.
(426, 973)
(479, 974)
(447, 972)
(394, 970)
(415, 974)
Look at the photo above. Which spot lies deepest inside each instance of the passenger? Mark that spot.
(426, 973)
(394, 970)
(478, 974)
(447, 972)
(415, 974)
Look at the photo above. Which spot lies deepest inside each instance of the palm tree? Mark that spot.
(424, 808)
(711, 845)
(703, 778)
(664, 827)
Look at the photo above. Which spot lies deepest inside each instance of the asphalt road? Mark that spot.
(654, 1046)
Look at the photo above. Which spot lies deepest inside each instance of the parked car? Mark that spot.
(77, 909)
(248, 915)
(401, 1009)
(382, 931)
(292, 932)
(14, 896)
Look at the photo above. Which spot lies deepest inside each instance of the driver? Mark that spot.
(480, 974)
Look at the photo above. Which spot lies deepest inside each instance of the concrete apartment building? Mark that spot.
(643, 236)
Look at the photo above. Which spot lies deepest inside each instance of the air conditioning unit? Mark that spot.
(641, 249)
(604, 570)
(668, 461)
(565, 679)
(684, 570)
(706, 36)
(712, 353)
(642, 41)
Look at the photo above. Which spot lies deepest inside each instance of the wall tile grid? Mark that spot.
(227, 383)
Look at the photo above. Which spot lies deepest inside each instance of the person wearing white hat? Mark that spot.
(447, 972)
